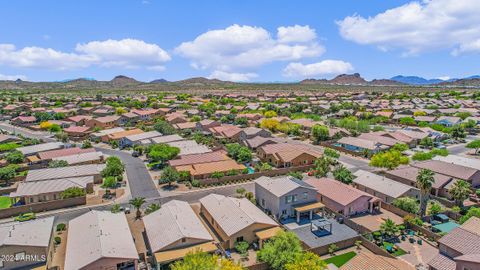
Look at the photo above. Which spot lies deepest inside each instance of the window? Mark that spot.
(284, 212)
(305, 195)
(184, 240)
(295, 197)
(240, 239)
(263, 202)
(20, 256)
(288, 199)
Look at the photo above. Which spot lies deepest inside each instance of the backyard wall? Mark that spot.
(44, 206)
(239, 177)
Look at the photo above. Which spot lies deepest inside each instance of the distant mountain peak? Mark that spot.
(122, 79)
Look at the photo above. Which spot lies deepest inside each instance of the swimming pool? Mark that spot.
(446, 227)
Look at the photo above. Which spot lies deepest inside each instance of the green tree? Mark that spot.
(425, 180)
(162, 152)
(57, 164)
(474, 145)
(388, 227)
(137, 204)
(169, 175)
(242, 248)
(109, 182)
(342, 174)
(400, 147)
(426, 142)
(86, 144)
(114, 167)
(152, 208)
(329, 152)
(115, 208)
(458, 132)
(72, 192)
(422, 156)
(297, 175)
(435, 208)
(409, 121)
(281, 250)
(203, 261)
(320, 133)
(306, 261)
(460, 191)
(407, 204)
(164, 127)
(14, 157)
(389, 159)
(244, 155)
(472, 212)
(8, 173)
(322, 167)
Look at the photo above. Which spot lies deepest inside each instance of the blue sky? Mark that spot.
(239, 40)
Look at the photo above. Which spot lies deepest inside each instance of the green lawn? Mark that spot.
(8, 146)
(5, 202)
(341, 259)
(397, 253)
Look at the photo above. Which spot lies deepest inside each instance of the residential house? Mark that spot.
(408, 176)
(128, 118)
(139, 139)
(173, 231)
(448, 121)
(99, 134)
(360, 145)
(460, 160)
(82, 158)
(283, 155)
(104, 122)
(229, 132)
(49, 190)
(286, 196)
(118, 136)
(260, 141)
(67, 172)
(252, 132)
(78, 133)
(30, 238)
(372, 261)
(100, 240)
(38, 148)
(188, 147)
(382, 187)
(460, 248)
(206, 124)
(468, 174)
(24, 121)
(235, 219)
(343, 199)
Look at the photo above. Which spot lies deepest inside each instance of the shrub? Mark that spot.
(329, 152)
(407, 204)
(422, 156)
(57, 240)
(72, 192)
(61, 227)
(195, 183)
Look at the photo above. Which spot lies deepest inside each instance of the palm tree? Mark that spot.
(388, 227)
(460, 191)
(425, 180)
(137, 203)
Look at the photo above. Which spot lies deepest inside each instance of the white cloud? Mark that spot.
(444, 78)
(232, 76)
(325, 67)
(126, 53)
(4, 77)
(244, 48)
(419, 26)
(36, 57)
(296, 33)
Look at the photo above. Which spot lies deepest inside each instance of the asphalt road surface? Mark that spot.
(139, 180)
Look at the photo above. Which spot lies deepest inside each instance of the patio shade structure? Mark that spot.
(164, 257)
(320, 224)
(309, 207)
(266, 234)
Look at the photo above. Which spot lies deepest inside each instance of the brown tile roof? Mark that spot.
(64, 152)
(77, 129)
(453, 170)
(211, 167)
(441, 262)
(125, 133)
(199, 158)
(107, 119)
(336, 191)
(369, 261)
(410, 173)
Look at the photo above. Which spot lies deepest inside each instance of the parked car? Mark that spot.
(25, 217)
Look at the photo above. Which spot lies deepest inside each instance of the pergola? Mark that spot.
(308, 207)
(320, 224)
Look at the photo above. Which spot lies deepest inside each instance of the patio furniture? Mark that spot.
(411, 240)
(419, 241)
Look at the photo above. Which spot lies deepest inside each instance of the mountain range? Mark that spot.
(127, 83)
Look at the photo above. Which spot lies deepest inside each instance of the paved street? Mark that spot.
(26, 133)
(139, 180)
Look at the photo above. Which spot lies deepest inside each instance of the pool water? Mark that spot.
(446, 227)
(250, 170)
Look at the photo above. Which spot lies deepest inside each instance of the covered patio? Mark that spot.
(266, 234)
(163, 258)
(311, 208)
(318, 227)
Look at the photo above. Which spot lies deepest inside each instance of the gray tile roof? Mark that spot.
(381, 184)
(281, 185)
(174, 221)
(34, 233)
(64, 172)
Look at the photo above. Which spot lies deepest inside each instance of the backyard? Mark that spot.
(5, 202)
(341, 259)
